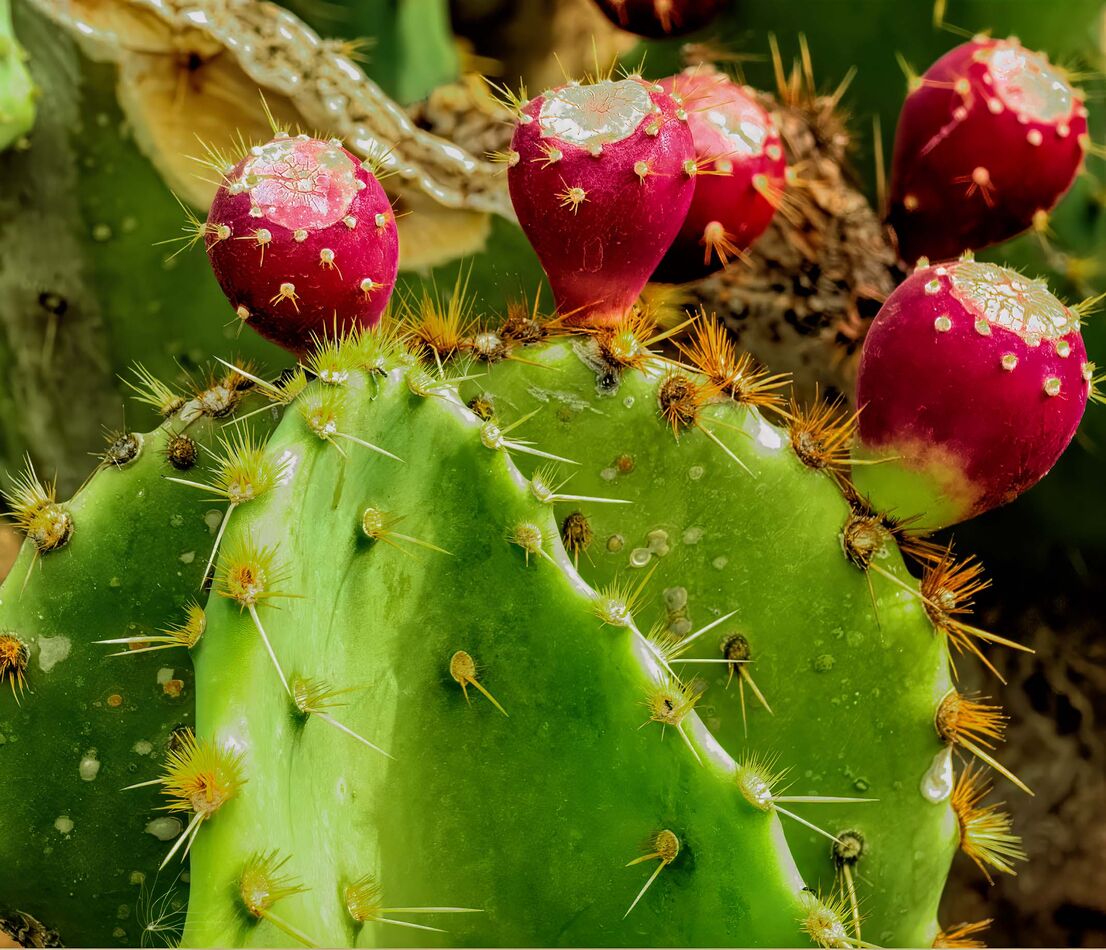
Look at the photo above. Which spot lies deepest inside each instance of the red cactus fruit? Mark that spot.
(972, 382)
(601, 177)
(301, 235)
(991, 136)
(661, 18)
(741, 179)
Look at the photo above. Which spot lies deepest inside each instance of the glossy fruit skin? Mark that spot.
(741, 177)
(601, 201)
(991, 136)
(982, 410)
(661, 18)
(302, 239)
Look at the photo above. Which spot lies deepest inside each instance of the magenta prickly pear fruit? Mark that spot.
(972, 382)
(741, 177)
(302, 238)
(661, 18)
(601, 179)
(991, 136)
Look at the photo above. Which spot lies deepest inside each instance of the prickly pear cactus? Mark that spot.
(519, 632)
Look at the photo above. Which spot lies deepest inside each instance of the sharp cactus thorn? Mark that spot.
(15, 656)
(978, 181)
(247, 575)
(513, 102)
(245, 472)
(824, 923)
(985, 830)
(528, 536)
(181, 451)
(628, 342)
(123, 447)
(711, 351)
(736, 654)
(161, 922)
(199, 778)
(822, 435)
(577, 535)
(422, 383)
(913, 79)
(946, 591)
(286, 291)
(669, 702)
(779, 197)
(616, 603)
(313, 698)
(492, 436)
(264, 386)
(363, 897)
(441, 326)
(572, 196)
(680, 400)
(862, 538)
(967, 722)
(260, 886)
(320, 411)
(755, 777)
(550, 155)
(962, 936)
(717, 241)
(153, 392)
(36, 512)
(194, 230)
(846, 852)
(880, 163)
(506, 157)
(665, 849)
(185, 634)
(376, 525)
(462, 667)
(217, 160)
(681, 647)
(544, 491)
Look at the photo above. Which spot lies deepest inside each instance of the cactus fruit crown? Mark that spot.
(970, 126)
(300, 234)
(972, 382)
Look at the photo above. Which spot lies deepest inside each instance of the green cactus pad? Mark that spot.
(847, 660)
(526, 807)
(122, 560)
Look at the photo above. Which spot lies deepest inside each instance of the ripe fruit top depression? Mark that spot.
(301, 236)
